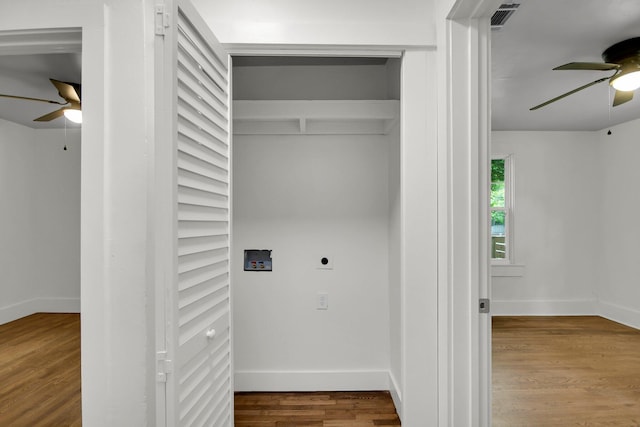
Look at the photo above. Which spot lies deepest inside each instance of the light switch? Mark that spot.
(323, 301)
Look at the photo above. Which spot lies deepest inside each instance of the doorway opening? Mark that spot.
(316, 181)
(40, 252)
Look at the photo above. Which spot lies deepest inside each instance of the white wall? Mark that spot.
(332, 22)
(557, 223)
(311, 82)
(40, 252)
(618, 290)
(576, 228)
(395, 241)
(395, 266)
(16, 219)
(57, 210)
(306, 197)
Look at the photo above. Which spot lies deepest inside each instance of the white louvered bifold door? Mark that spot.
(199, 383)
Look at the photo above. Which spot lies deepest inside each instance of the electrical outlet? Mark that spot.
(323, 301)
(324, 262)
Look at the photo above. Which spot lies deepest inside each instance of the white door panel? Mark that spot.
(197, 301)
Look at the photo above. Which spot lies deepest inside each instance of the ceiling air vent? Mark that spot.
(501, 15)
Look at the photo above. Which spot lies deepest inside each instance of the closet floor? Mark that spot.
(40, 371)
(316, 409)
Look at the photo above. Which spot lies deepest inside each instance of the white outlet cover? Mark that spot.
(321, 265)
(323, 301)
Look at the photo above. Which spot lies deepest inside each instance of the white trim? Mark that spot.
(38, 305)
(313, 51)
(468, 331)
(232, 363)
(482, 26)
(317, 117)
(396, 394)
(625, 315)
(161, 225)
(419, 241)
(584, 307)
(464, 275)
(311, 380)
(507, 270)
(41, 41)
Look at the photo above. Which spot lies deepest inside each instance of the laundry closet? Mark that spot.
(316, 185)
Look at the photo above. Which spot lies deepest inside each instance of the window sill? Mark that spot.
(507, 270)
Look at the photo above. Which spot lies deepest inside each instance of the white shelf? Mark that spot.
(361, 117)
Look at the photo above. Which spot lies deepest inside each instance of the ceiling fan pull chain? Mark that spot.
(609, 104)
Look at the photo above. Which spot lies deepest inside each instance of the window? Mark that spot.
(501, 210)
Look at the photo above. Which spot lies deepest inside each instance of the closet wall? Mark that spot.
(307, 189)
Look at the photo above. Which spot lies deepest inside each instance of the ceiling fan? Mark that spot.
(70, 92)
(623, 58)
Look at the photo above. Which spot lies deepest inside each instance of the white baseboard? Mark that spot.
(617, 313)
(38, 305)
(544, 308)
(311, 380)
(396, 394)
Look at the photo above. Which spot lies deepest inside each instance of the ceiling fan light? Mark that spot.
(74, 115)
(627, 82)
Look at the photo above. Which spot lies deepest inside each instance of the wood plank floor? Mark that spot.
(565, 371)
(317, 409)
(547, 371)
(40, 371)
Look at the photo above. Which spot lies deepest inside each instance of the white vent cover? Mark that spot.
(501, 15)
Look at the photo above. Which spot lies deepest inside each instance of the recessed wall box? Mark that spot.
(257, 260)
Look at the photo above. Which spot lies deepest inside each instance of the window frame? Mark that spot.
(508, 210)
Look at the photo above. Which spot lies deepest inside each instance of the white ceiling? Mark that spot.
(543, 34)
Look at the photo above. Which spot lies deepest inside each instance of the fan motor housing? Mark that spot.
(624, 50)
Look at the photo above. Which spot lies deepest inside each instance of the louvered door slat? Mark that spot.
(189, 164)
(188, 131)
(212, 156)
(200, 275)
(208, 62)
(191, 68)
(201, 385)
(202, 290)
(191, 196)
(211, 93)
(201, 243)
(193, 180)
(191, 92)
(201, 228)
(195, 119)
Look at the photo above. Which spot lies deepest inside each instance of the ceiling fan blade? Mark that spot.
(69, 91)
(598, 66)
(564, 95)
(50, 116)
(622, 97)
(32, 99)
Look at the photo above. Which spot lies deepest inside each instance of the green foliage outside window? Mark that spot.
(497, 191)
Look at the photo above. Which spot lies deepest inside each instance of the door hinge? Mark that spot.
(485, 305)
(162, 19)
(164, 366)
